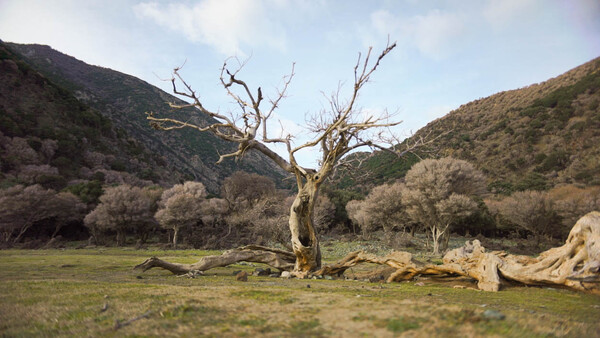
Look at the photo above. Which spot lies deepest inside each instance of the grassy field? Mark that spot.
(95, 292)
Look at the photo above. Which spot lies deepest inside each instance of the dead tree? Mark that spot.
(575, 265)
(337, 132)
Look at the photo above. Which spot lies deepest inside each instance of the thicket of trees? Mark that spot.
(545, 214)
(436, 194)
(440, 196)
(124, 209)
(436, 197)
(24, 207)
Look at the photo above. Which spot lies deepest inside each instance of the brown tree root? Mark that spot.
(575, 265)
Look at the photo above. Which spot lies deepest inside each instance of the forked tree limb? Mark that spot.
(279, 259)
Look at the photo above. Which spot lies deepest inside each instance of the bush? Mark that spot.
(533, 181)
(532, 211)
(88, 192)
(438, 194)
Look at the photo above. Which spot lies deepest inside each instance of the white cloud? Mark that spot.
(230, 26)
(504, 13)
(436, 34)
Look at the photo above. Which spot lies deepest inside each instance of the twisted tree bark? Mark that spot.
(575, 265)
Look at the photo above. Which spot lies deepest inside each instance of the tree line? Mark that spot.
(439, 196)
(436, 197)
(251, 209)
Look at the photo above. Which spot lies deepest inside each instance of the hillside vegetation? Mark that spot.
(531, 138)
(49, 137)
(124, 100)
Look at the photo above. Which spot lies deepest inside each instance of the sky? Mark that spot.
(449, 52)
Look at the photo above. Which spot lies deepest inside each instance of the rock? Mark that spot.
(459, 287)
(328, 277)
(261, 272)
(493, 315)
(286, 274)
(308, 286)
(235, 273)
(419, 284)
(275, 275)
(376, 279)
(242, 276)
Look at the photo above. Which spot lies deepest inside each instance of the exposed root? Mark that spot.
(575, 265)
(557, 266)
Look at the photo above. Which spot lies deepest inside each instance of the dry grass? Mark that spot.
(63, 293)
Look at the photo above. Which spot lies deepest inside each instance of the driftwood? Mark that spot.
(576, 264)
(279, 259)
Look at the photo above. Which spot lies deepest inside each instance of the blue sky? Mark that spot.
(449, 52)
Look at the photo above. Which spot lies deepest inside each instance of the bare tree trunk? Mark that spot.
(22, 232)
(175, 235)
(305, 243)
(435, 237)
(445, 240)
(120, 238)
(576, 264)
(438, 234)
(56, 230)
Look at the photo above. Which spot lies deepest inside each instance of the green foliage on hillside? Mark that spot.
(531, 138)
(124, 100)
(48, 134)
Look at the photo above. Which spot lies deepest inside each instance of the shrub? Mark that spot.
(532, 211)
(122, 209)
(438, 194)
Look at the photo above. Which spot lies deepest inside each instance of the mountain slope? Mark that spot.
(530, 138)
(125, 99)
(49, 137)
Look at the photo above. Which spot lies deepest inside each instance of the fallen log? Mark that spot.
(575, 265)
(279, 259)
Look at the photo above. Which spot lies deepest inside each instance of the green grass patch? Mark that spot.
(401, 324)
(85, 292)
(266, 296)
